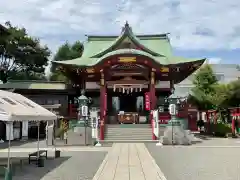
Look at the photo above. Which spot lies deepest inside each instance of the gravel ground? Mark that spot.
(198, 163)
(71, 166)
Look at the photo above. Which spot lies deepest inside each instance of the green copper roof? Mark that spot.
(127, 32)
(84, 61)
(97, 48)
(156, 43)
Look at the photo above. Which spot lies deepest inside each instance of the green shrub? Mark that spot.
(222, 129)
(59, 132)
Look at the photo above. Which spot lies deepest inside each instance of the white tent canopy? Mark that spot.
(15, 107)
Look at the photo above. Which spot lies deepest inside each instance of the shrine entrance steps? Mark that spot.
(128, 133)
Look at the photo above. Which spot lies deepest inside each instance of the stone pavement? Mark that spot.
(129, 161)
(218, 160)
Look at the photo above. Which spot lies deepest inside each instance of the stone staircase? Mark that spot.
(128, 133)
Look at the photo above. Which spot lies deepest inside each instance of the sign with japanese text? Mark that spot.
(147, 101)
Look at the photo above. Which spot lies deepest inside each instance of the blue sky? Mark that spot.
(198, 28)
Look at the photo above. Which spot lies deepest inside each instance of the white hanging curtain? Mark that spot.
(139, 103)
(116, 103)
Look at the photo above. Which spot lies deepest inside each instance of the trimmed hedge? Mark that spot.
(221, 129)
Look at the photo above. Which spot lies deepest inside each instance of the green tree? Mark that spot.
(220, 96)
(21, 56)
(234, 90)
(65, 52)
(205, 83)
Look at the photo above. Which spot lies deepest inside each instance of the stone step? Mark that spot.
(126, 134)
(123, 132)
(128, 131)
(127, 141)
(126, 138)
(126, 126)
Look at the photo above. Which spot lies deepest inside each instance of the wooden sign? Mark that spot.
(127, 59)
(164, 69)
(90, 70)
(147, 101)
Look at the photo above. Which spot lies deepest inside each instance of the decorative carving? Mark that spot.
(90, 70)
(164, 69)
(128, 66)
(127, 59)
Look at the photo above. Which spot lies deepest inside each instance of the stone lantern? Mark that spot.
(83, 116)
(175, 133)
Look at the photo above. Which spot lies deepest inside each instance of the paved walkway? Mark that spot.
(129, 162)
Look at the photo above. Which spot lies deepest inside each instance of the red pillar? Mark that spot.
(102, 106)
(152, 100)
(233, 125)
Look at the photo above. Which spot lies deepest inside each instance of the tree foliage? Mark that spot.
(65, 52)
(234, 91)
(22, 56)
(205, 83)
(208, 93)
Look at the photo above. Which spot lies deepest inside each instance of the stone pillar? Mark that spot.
(102, 106)
(25, 130)
(152, 99)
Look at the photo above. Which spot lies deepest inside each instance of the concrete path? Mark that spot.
(127, 161)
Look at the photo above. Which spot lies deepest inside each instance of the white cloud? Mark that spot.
(193, 24)
(214, 60)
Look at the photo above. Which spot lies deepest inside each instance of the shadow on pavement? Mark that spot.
(32, 172)
(16, 143)
(203, 137)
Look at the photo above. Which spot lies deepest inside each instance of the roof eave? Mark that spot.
(183, 76)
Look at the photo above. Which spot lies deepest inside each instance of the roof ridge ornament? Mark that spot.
(126, 27)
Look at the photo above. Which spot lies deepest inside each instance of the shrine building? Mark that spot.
(128, 75)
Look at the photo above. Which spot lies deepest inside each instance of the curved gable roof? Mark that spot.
(127, 32)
